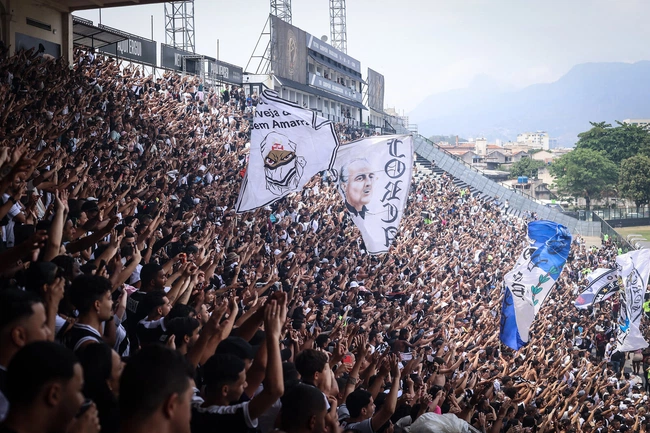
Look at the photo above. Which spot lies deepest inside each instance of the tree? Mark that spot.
(617, 143)
(584, 173)
(526, 167)
(634, 180)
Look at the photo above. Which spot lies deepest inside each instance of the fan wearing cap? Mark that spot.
(92, 212)
(224, 377)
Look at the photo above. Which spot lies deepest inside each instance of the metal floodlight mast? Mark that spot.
(338, 28)
(179, 25)
(262, 52)
(281, 9)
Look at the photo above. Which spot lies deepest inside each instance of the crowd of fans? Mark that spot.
(134, 299)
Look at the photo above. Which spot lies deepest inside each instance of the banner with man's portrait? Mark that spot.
(289, 145)
(374, 177)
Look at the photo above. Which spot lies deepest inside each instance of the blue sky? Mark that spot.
(424, 47)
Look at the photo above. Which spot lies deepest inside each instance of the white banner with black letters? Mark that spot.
(374, 178)
(634, 269)
(289, 145)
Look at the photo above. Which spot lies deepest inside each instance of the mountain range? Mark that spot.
(588, 92)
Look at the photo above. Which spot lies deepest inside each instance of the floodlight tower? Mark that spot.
(281, 9)
(338, 28)
(179, 25)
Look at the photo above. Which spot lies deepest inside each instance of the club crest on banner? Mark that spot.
(283, 169)
(289, 145)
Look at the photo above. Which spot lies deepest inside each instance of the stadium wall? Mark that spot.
(629, 222)
(25, 24)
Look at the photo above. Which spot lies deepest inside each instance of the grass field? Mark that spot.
(640, 230)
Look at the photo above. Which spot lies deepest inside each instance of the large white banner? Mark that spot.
(634, 269)
(289, 145)
(374, 178)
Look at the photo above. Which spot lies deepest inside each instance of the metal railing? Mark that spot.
(339, 119)
(470, 166)
(614, 236)
(520, 191)
(623, 213)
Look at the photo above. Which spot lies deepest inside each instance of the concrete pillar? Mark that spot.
(67, 46)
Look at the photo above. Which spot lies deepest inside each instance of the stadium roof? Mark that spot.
(76, 5)
(319, 92)
(88, 35)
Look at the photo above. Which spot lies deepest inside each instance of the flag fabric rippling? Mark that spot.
(531, 280)
(374, 179)
(289, 145)
(603, 283)
(634, 269)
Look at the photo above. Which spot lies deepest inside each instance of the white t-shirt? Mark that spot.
(9, 228)
(364, 426)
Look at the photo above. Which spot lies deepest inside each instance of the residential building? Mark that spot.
(537, 140)
(638, 122)
(544, 156)
(481, 146)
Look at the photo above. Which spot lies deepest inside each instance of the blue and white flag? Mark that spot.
(531, 280)
(289, 145)
(603, 283)
(634, 269)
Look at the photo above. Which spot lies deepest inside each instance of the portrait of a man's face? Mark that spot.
(357, 179)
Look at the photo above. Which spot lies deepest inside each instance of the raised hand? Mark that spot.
(171, 342)
(362, 346)
(394, 366)
(272, 323)
(54, 292)
(86, 423)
